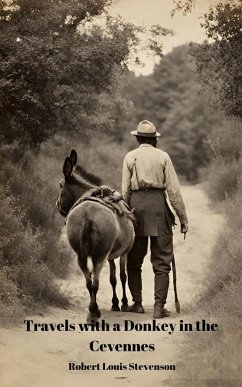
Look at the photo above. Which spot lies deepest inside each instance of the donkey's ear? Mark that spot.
(73, 157)
(67, 167)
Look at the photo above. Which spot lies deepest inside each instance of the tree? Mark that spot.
(60, 66)
(53, 75)
(219, 59)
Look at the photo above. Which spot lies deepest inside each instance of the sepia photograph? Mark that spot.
(120, 191)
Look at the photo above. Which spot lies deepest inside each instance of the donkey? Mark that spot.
(94, 231)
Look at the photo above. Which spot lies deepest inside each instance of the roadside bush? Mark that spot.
(101, 155)
(223, 179)
(219, 362)
(224, 272)
(33, 195)
(27, 280)
(215, 360)
(10, 307)
(104, 157)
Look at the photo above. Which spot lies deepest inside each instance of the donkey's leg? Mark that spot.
(123, 278)
(113, 282)
(93, 307)
(88, 276)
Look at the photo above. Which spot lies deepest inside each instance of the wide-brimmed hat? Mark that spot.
(146, 129)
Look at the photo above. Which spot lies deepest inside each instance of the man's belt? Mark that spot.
(149, 189)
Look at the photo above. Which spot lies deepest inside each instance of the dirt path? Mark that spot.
(42, 358)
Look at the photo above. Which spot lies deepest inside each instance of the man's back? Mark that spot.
(148, 167)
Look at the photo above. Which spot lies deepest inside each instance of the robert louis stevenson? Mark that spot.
(120, 367)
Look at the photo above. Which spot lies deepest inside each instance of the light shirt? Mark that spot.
(149, 167)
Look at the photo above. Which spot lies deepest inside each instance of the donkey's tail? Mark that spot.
(94, 242)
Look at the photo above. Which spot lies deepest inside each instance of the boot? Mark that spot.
(137, 307)
(160, 312)
(161, 289)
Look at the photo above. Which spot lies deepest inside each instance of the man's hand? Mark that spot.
(184, 229)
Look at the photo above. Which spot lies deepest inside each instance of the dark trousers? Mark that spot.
(161, 256)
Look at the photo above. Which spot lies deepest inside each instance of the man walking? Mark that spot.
(148, 174)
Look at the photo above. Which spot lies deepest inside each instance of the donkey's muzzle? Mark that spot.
(61, 211)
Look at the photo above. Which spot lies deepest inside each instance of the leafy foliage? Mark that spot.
(60, 63)
(219, 60)
(52, 74)
(223, 22)
(170, 98)
(185, 6)
(26, 276)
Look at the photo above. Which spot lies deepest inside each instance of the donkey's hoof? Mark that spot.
(98, 313)
(92, 318)
(125, 308)
(115, 308)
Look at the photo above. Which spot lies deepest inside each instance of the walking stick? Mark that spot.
(177, 303)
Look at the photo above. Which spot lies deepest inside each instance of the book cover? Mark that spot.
(81, 75)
